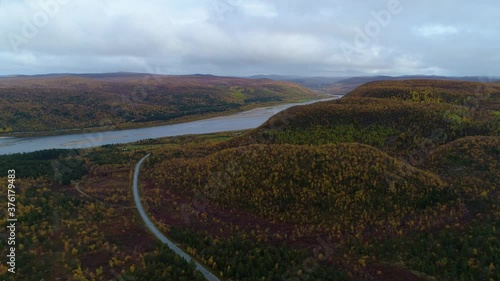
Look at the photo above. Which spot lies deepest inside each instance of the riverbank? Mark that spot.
(130, 126)
(236, 122)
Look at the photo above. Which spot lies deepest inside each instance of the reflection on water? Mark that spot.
(240, 121)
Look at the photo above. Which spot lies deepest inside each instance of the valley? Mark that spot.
(398, 180)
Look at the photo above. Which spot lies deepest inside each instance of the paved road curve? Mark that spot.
(157, 232)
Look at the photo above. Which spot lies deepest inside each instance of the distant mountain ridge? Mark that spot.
(325, 85)
(105, 75)
(343, 85)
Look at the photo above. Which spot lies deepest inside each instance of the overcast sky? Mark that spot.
(247, 37)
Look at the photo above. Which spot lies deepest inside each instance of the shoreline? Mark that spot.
(152, 124)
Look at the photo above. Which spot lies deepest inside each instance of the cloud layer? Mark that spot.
(246, 37)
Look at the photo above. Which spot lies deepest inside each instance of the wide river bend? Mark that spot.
(239, 121)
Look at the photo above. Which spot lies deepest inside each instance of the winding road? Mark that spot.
(208, 275)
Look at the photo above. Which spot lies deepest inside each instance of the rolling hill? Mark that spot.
(344, 85)
(393, 174)
(65, 102)
(403, 118)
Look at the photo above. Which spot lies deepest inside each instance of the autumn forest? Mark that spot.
(397, 180)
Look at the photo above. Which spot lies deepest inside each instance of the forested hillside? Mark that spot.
(400, 177)
(404, 118)
(34, 104)
(396, 181)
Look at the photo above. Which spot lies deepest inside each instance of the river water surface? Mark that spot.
(239, 121)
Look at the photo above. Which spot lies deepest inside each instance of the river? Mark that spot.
(239, 121)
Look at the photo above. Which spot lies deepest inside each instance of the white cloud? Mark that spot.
(436, 30)
(257, 9)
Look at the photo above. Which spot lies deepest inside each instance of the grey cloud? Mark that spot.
(246, 37)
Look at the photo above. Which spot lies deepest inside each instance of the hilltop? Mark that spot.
(344, 85)
(402, 118)
(379, 173)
